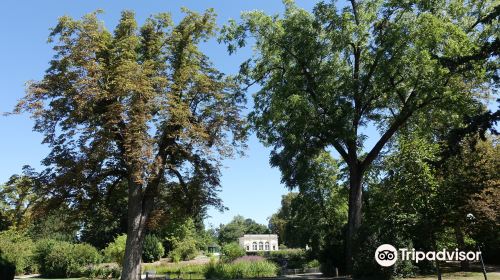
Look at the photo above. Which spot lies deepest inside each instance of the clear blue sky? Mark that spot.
(250, 186)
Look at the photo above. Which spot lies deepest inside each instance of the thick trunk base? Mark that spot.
(138, 211)
(354, 215)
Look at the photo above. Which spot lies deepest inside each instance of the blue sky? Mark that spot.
(250, 186)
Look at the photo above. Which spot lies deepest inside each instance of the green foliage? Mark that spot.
(115, 251)
(57, 224)
(17, 248)
(7, 268)
(232, 251)
(106, 219)
(239, 270)
(316, 215)
(43, 248)
(184, 241)
(179, 270)
(328, 75)
(103, 271)
(184, 250)
(237, 227)
(144, 99)
(295, 258)
(67, 260)
(153, 249)
(312, 264)
(17, 198)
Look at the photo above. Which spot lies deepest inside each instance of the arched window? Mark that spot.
(261, 246)
(267, 246)
(254, 246)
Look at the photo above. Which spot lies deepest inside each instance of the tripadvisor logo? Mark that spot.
(387, 255)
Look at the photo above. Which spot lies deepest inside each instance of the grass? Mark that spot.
(37, 278)
(461, 276)
(184, 271)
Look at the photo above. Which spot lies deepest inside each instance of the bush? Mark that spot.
(69, 260)
(103, 271)
(185, 250)
(178, 271)
(115, 251)
(249, 259)
(7, 268)
(294, 258)
(312, 264)
(17, 249)
(232, 251)
(153, 249)
(238, 270)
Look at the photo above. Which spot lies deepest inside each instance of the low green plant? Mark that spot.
(175, 268)
(103, 271)
(184, 250)
(153, 249)
(312, 264)
(69, 260)
(232, 251)
(115, 251)
(238, 270)
(7, 268)
(17, 249)
(294, 258)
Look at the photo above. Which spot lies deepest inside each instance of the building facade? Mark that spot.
(259, 242)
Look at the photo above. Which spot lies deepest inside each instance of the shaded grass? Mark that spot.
(461, 276)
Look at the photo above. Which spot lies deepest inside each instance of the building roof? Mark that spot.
(259, 235)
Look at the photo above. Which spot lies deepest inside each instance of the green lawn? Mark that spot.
(454, 276)
(461, 276)
(36, 278)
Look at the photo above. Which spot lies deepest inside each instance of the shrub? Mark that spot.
(288, 253)
(153, 249)
(178, 271)
(232, 251)
(238, 270)
(249, 259)
(364, 265)
(43, 247)
(184, 250)
(7, 268)
(103, 271)
(312, 264)
(17, 249)
(294, 258)
(115, 251)
(66, 259)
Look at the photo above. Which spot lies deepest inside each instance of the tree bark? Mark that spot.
(354, 215)
(138, 211)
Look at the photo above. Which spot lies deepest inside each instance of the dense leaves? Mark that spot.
(237, 227)
(326, 76)
(141, 106)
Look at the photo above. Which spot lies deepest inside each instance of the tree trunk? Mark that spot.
(354, 216)
(138, 211)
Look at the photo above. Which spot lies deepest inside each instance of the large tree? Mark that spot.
(237, 227)
(316, 215)
(327, 75)
(142, 106)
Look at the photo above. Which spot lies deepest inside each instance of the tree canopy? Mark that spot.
(326, 76)
(237, 227)
(141, 106)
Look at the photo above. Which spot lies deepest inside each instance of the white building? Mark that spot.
(259, 242)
